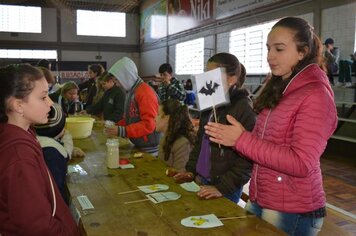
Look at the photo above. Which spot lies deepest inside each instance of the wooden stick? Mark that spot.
(142, 200)
(131, 191)
(215, 117)
(232, 217)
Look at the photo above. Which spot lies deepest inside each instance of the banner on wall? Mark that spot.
(226, 8)
(76, 71)
(188, 14)
(153, 22)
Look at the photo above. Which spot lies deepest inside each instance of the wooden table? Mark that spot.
(112, 217)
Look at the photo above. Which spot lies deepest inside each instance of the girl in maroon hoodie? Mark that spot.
(297, 116)
(30, 203)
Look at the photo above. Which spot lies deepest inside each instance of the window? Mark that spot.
(28, 54)
(355, 35)
(190, 57)
(20, 19)
(249, 46)
(101, 23)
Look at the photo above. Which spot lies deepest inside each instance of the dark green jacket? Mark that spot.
(111, 105)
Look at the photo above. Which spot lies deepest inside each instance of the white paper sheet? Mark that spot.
(153, 188)
(127, 166)
(163, 197)
(204, 221)
(190, 187)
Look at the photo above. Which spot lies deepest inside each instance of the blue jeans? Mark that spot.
(292, 223)
(235, 196)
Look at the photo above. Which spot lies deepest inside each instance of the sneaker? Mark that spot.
(339, 84)
(348, 85)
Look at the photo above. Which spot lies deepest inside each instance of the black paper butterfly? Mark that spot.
(209, 88)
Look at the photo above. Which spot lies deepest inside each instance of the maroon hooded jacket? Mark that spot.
(30, 203)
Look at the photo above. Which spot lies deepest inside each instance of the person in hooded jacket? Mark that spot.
(30, 202)
(140, 109)
(297, 116)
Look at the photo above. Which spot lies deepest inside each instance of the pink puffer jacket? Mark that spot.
(287, 142)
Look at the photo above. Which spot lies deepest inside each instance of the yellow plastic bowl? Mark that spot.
(79, 127)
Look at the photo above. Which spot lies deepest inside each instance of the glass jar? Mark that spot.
(112, 153)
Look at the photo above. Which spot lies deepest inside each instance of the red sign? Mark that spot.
(188, 14)
(73, 74)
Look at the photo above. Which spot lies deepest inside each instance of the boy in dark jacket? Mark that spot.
(111, 105)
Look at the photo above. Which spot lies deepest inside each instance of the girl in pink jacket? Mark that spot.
(297, 115)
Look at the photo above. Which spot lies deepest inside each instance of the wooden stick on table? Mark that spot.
(142, 200)
(131, 191)
(232, 217)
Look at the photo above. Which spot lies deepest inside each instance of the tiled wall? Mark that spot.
(339, 23)
(223, 42)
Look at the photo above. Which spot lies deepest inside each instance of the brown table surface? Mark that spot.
(112, 217)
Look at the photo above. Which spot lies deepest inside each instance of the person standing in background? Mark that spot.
(331, 55)
(89, 86)
(345, 71)
(46, 66)
(190, 93)
(99, 88)
(297, 116)
(170, 87)
(44, 63)
(49, 77)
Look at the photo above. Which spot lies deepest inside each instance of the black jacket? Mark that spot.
(111, 105)
(90, 86)
(229, 170)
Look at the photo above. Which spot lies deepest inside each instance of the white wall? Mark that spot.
(339, 23)
(222, 42)
(151, 60)
(109, 57)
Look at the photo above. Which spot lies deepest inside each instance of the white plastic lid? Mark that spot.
(112, 141)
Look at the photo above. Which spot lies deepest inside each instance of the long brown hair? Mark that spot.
(232, 66)
(179, 124)
(98, 69)
(307, 42)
